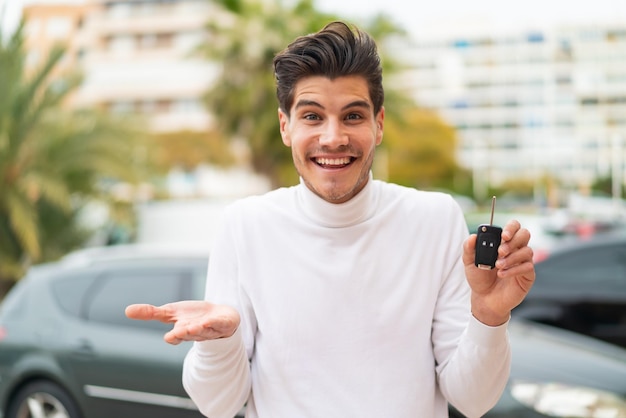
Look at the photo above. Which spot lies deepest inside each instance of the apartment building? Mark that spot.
(141, 58)
(136, 55)
(50, 25)
(529, 103)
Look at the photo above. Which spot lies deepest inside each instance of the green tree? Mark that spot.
(189, 149)
(604, 186)
(53, 162)
(421, 150)
(243, 39)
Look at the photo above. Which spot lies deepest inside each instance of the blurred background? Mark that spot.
(138, 120)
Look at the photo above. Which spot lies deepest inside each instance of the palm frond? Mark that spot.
(23, 222)
(36, 96)
(39, 185)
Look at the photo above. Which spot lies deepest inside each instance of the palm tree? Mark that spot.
(52, 161)
(243, 40)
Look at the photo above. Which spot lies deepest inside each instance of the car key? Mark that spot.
(487, 242)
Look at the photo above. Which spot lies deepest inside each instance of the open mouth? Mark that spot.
(333, 162)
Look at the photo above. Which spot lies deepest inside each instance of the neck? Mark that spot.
(334, 215)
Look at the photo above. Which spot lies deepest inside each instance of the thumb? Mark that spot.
(469, 250)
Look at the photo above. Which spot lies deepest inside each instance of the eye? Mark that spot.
(311, 116)
(354, 116)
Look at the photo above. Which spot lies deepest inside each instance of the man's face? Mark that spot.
(332, 132)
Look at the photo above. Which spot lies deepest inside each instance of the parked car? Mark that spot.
(557, 373)
(68, 351)
(582, 287)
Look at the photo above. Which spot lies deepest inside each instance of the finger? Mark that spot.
(139, 311)
(171, 338)
(520, 256)
(147, 312)
(520, 240)
(525, 272)
(187, 332)
(510, 229)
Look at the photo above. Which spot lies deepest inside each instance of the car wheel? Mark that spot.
(42, 399)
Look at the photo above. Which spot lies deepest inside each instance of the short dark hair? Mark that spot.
(335, 51)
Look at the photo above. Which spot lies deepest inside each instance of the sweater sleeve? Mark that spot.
(216, 375)
(473, 359)
(477, 373)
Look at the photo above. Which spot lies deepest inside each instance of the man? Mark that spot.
(346, 296)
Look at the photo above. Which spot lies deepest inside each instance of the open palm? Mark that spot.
(194, 320)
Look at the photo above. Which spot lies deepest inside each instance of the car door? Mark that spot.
(129, 369)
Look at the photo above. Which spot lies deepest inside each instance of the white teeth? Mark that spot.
(333, 161)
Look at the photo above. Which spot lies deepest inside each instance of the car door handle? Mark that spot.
(84, 348)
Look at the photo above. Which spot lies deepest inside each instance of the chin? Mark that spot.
(336, 195)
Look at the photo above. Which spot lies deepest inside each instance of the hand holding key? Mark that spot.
(498, 285)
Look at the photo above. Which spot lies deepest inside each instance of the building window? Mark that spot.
(535, 37)
(122, 107)
(148, 41)
(187, 106)
(58, 27)
(122, 43)
(148, 106)
(119, 10)
(80, 54)
(187, 41)
(154, 40)
(32, 27)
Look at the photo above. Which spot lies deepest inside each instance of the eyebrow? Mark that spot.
(357, 103)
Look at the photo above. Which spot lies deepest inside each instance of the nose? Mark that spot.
(333, 134)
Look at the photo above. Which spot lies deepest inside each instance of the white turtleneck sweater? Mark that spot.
(358, 309)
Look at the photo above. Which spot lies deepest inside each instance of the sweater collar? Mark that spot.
(336, 215)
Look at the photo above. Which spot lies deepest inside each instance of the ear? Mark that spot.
(283, 121)
(380, 119)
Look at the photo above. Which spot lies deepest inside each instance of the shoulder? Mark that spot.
(259, 206)
(413, 199)
(434, 211)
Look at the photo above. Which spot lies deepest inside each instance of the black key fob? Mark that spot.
(487, 243)
(488, 239)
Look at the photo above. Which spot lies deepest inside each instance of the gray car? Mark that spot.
(582, 287)
(68, 351)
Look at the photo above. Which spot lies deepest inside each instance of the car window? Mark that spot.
(14, 304)
(70, 291)
(116, 290)
(601, 265)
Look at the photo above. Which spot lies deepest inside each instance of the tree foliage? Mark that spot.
(52, 161)
(421, 150)
(189, 149)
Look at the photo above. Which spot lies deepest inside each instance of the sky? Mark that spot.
(423, 18)
(426, 16)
